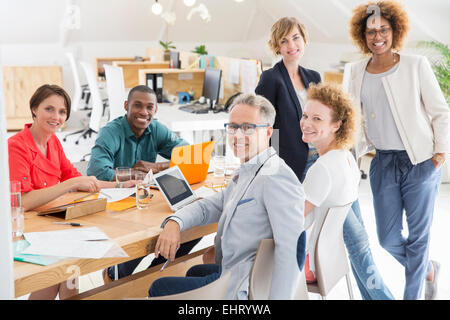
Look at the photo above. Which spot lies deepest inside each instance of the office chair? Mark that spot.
(98, 105)
(213, 291)
(261, 274)
(115, 87)
(81, 91)
(331, 262)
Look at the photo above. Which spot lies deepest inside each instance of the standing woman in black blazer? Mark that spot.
(285, 86)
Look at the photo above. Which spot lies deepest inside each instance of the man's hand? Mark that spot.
(145, 166)
(168, 241)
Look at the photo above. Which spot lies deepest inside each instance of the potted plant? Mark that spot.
(201, 50)
(167, 46)
(439, 56)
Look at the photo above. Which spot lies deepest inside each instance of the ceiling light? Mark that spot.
(238, 0)
(157, 8)
(189, 3)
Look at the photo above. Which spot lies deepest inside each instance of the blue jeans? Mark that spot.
(196, 277)
(127, 268)
(367, 276)
(397, 186)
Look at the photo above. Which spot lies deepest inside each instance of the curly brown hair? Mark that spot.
(390, 10)
(341, 104)
(281, 28)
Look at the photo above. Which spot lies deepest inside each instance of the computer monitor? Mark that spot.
(211, 84)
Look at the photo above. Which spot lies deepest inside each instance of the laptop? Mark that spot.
(193, 160)
(174, 187)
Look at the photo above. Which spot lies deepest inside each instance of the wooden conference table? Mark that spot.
(136, 231)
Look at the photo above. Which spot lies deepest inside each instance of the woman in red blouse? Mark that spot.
(37, 160)
(36, 157)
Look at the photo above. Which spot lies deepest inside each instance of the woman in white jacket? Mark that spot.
(406, 120)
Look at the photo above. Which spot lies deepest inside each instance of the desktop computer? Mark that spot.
(211, 88)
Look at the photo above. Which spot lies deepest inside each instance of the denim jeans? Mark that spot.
(127, 268)
(367, 276)
(399, 186)
(196, 277)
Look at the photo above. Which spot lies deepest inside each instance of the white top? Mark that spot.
(330, 182)
(418, 106)
(380, 124)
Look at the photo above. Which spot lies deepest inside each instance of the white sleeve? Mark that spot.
(317, 184)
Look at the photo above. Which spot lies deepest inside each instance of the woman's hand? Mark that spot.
(129, 183)
(168, 241)
(438, 160)
(88, 184)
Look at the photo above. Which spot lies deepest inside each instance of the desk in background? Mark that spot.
(136, 231)
(177, 80)
(192, 127)
(131, 70)
(99, 62)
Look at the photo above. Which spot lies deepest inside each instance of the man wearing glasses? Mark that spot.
(263, 200)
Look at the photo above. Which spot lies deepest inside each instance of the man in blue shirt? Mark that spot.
(134, 141)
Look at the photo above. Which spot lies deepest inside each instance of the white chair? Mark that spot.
(213, 291)
(98, 105)
(331, 261)
(261, 274)
(81, 91)
(115, 87)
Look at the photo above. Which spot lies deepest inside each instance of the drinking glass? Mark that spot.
(231, 165)
(123, 174)
(16, 199)
(18, 221)
(143, 195)
(218, 179)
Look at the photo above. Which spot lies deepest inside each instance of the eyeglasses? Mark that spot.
(247, 128)
(373, 33)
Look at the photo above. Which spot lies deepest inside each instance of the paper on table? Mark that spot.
(68, 248)
(116, 194)
(19, 246)
(204, 192)
(79, 234)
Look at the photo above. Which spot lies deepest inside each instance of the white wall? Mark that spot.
(6, 257)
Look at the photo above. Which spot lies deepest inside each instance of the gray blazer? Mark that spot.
(264, 200)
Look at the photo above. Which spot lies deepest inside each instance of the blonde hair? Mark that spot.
(342, 107)
(281, 28)
(392, 11)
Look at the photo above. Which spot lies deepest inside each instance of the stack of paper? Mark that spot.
(88, 243)
(116, 194)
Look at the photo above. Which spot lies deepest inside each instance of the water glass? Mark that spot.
(143, 195)
(218, 179)
(18, 221)
(123, 174)
(231, 165)
(14, 189)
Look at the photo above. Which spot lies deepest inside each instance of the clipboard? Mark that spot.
(75, 210)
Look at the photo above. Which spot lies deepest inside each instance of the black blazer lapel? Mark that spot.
(290, 87)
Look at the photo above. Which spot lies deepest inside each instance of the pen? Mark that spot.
(73, 224)
(165, 264)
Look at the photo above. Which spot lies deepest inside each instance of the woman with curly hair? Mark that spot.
(406, 120)
(285, 85)
(328, 122)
